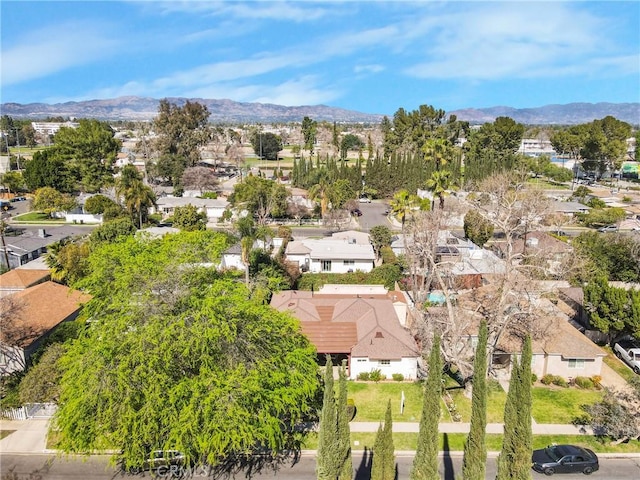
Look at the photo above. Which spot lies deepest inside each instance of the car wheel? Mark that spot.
(549, 471)
(135, 470)
(637, 370)
(587, 470)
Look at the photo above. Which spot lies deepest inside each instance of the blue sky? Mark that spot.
(372, 57)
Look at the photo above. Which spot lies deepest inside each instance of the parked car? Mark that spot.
(161, 459)
(628, 351)
(356, 212)
(608, 228)
(564, 459)
(365, 200)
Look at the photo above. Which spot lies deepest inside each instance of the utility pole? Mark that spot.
(3, 226)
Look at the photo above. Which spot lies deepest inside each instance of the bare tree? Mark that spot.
(14, 333)
(199, 178)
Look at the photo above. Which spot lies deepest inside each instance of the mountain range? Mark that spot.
(141, 109)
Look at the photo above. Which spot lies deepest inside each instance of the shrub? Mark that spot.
(364, 376)
(584, 382)
(376, 375)
(559, 381)
(398, 377)
(547, 379)
(534, 378)
(597, 380)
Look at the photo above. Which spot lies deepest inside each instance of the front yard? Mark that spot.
(550, 404)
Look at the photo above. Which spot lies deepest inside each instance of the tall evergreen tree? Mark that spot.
(475, 450)
(344, 432)
(425, 463)
(514, 461)
(332, 452)
(384, 461)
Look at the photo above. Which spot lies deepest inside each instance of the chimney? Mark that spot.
(42, 233)
(379, 334)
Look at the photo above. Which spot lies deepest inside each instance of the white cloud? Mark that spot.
(513, 40)
(370, 68)
(53, 49)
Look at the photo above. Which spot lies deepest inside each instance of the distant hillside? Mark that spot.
(569, 114)
(139, 108)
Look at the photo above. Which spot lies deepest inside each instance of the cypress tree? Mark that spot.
(514, 461)
(425, 463)
(327, 465)
(344, 432)
(475, 450)
(384, 461)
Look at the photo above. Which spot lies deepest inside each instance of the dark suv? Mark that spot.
(564, 459)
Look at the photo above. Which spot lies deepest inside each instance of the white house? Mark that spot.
(330, 255)
(356, 323)
(214, 208)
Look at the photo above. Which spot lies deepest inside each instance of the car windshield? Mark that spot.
(553, 453)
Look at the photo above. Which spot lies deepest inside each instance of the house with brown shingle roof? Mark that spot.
(29, 316)
(363, 324)
(558, 347)
(20, 279)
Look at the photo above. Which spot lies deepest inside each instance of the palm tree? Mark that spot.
(320, 192)
(438, 151)
(401, 205)
(138, 198)
(439, 184)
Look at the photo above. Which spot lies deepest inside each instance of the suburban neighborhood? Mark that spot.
(319, 240)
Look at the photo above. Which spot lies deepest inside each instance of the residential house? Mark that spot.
(30, 245)
(362, 324)
(570, 209)
(214, 208)
(17, 280)
(330, 255)
(353, 236)
(29, 316)
(544, 251)
(559, 348)
(465, 265)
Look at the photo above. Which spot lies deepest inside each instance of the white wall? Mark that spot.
(406, 366)
(338, 266)
(83, 218)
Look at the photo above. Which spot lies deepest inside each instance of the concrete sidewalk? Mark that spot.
(30, 436)
(412, 427)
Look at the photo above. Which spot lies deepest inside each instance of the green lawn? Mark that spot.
(38, 217)
(455, 442)
(550, 404)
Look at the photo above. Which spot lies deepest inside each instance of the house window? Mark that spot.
(384, 362)
(349, 263)
(576, 363)
(326, 265)
(362, 360)
(3, 359)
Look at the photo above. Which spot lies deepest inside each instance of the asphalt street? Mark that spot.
(53, 467)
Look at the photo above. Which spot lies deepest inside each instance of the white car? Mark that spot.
(364, 200)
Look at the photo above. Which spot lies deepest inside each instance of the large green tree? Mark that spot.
(177, 356)
(261, 197)
(48, 169)
(189, 218)
(266, 145)
(91, 150)
(49, 200)
(425, 462)
(309, 132)
(477, 228)
(475, 450)
(181, 130)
